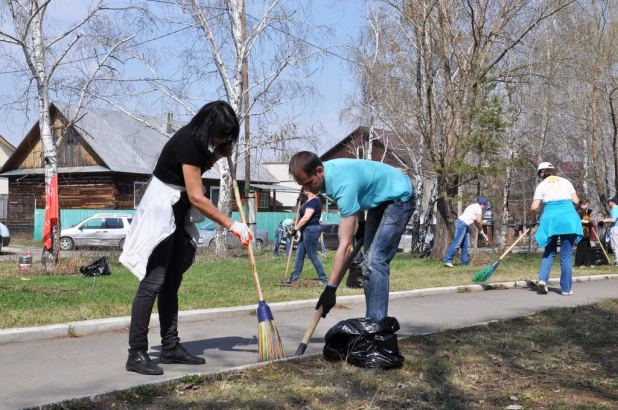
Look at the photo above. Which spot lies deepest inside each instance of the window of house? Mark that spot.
(214, 195)
(360, 152)
(139, 188)
(263, 199)
(71, 137)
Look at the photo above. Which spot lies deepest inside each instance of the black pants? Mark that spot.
(583, 255)
(166, 265)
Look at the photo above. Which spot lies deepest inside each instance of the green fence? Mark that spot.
(71, 217)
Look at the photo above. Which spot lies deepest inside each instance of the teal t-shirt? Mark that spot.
(613, 214)
(358, 185)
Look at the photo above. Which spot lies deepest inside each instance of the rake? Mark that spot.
(270, 346)
(484, 274)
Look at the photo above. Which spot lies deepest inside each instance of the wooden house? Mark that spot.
(386, 147)
(104, 162)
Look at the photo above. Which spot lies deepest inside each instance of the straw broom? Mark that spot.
(318, 314)
(270, 346)
(484, 274)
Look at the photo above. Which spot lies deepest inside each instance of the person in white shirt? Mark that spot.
(472, 214)
(559, 221)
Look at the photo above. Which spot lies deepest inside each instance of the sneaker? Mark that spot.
(448, 264)
(543, 287)
(288, 282)
(323, 282)
(567, 293)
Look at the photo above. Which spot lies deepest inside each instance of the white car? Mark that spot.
(97, 230)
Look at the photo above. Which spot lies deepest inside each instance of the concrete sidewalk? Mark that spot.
(37, 372)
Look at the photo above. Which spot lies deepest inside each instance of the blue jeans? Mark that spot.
(461, 239)
(278, 238)
(566, 260)
(383, 229)
(308, 246)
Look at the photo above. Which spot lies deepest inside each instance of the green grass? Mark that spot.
(558, 359)
(65, 296)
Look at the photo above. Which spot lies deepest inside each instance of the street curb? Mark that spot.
(87, 327)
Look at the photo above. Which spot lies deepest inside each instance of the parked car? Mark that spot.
(5, 236)
(331, 234)
(207, 237)
(97, 230)
(405, 243)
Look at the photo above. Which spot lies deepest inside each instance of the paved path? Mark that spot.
(45, 371)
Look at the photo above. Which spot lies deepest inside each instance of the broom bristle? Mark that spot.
(269, 342)
(483, 274)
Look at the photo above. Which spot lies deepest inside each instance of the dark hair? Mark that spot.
(304, 161)
(215, 119)
(547, 172)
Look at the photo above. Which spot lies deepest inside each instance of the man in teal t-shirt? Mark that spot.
(356, 186)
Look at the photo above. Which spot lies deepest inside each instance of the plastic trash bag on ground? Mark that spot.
(96, 268)
(364, 342)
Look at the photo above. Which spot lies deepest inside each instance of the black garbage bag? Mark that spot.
(355, 275)
(364, 342)
(96, 268)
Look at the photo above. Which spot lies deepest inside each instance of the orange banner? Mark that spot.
(52, 212)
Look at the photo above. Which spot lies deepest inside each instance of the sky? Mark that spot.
(332, 78)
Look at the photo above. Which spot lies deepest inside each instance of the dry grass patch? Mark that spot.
(559, 359)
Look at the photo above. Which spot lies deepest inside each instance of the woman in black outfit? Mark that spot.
(310, 230)
(161, 242)
(583, 254)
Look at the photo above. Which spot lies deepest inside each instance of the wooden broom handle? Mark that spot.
(514, 243)
(601, 245)
(256, 280)
(318, 313)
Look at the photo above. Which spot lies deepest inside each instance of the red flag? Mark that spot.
(51, 212)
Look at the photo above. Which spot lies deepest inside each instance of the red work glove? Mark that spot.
(242, 232)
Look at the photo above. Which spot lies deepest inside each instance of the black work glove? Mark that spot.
(327, 300)
(533, 224)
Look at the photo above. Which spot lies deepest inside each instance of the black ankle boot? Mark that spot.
(140, 362)
(180, 355)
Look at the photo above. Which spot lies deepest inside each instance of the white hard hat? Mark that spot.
(544, 165)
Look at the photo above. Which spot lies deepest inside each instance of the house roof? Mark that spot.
(5, 142)
(395, 146)
(126, 144)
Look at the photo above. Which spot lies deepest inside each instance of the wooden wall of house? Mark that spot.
(75, 191)
(71, 153)
(348, 149)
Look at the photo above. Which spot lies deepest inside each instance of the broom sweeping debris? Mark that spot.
(484, 274)
(489, 243)
(270, 346)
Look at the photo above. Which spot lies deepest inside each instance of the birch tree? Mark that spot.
(42, 56)
(217, 47)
